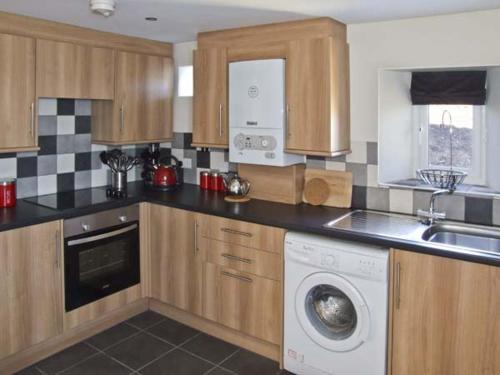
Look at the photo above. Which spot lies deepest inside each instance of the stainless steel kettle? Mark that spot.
(235, 185)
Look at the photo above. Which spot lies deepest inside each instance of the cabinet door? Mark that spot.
(445, 316)
(17, 92)
(30, 286)
(250, 304)
(143, 105)
(67, 70)
(308, 95)
(210, 121)
(176, 270)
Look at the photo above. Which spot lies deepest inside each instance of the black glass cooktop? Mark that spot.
(73, 199)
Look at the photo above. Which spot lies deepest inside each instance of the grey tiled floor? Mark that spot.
(150, 344)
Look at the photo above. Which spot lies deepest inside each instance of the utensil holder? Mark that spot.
(119, 181)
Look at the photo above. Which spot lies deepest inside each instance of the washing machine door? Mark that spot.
(332, 312)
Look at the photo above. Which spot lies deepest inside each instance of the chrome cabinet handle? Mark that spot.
(238, 277)
(220, 120)
(237, 258)
(32, 119)
(195, 237)
(58, 249)
(398, 286)
(122, 119)
(237, 232)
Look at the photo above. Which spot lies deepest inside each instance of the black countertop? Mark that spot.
(301, 217)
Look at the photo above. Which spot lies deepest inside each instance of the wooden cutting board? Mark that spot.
(340, 184)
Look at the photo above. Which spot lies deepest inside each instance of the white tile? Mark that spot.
(372, 175)
(99, 177)
(8, 167)
(217, 161)
(65, 163)
(47, 184)
(83, 107)
(166, 145)
(47, 107)
(358, 154)
(187, 163)
(334, 165)
(65, 125)
(178, 153)
(96, 147)
(401, 200)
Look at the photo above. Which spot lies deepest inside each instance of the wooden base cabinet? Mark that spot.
(445, 316)
(31, 308)
(176, 269)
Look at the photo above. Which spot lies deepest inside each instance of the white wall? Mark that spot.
(183, 107)
(467, 39)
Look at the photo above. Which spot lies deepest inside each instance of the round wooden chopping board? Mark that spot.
(316, 191)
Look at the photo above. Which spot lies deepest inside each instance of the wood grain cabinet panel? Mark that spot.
(142, 109)
(317, 92)
(31, 307)
(68, 70)
(17, 93)
(176, 268)
(210, 119)
(445, 317)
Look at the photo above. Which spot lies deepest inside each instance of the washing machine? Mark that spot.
(336, 306)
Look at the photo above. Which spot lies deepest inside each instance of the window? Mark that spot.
(185, 81)
(452, 136)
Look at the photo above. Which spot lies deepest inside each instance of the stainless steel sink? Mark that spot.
(483, 239)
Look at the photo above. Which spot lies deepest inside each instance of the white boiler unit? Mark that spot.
(257, 115)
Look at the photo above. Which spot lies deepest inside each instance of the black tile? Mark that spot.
(66, 358)
(313, 157)
(188, 139)
(8, 155)
(29, 371)
(82, 124)
(98, 365)
(27, 167)
(220, 371)
(248, 363)
(479, 210)
(65, 182)
(177, 362)
(83, 161)
(47, 144)
(359, 197)
(139, 350)
(66, 107)
(173, 332)
(145, 319)
(112, 336)
(203, 159)
(210, 348)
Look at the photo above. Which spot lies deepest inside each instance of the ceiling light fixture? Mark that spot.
(152, 19)
(104, 7)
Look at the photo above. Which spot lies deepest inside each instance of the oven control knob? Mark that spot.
(122, 218)
(85, 227)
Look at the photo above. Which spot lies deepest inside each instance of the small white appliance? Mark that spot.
(257, 113)
(336, 297)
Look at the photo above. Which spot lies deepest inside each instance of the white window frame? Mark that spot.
(476, 175)
(185, 83)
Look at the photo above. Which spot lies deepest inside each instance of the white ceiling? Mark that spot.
(180, 20)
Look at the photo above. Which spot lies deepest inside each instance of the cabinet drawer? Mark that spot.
(245, 259)
(246, 303)
(242, 233)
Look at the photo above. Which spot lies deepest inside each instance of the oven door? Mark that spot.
(101, 263)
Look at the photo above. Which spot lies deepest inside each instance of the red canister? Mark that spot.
(7, 192)
(204, 180)
(216, 181)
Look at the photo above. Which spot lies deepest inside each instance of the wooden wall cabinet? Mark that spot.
(317, 82)
(17, 94)
(176, 269)
(210, 118)
(444, 317)
(68, 70)
(142, 109)
(31, 308)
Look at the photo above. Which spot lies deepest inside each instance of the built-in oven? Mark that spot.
(101, 255)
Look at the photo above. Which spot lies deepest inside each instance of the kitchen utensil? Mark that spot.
(339, 182)
(7, 192)
(119, 164)
(235, 185)
(167, 177)
(316, 191)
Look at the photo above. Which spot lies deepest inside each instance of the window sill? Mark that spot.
(464, 189)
